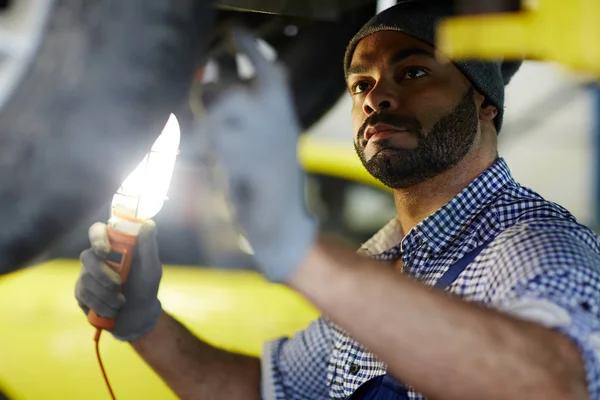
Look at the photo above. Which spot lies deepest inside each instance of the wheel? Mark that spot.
(85, 88)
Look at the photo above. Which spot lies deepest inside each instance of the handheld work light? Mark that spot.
(140, 197)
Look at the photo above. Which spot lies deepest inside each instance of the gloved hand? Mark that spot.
(135, 305)
(254, 131)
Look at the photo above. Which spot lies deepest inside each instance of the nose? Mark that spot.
(379, 98)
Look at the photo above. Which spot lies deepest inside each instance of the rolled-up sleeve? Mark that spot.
(581, 327)
(561, 291)
(296, 368)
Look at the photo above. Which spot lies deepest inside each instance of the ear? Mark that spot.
(487, 111)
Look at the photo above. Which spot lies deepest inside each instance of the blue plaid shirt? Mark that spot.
(542, 265)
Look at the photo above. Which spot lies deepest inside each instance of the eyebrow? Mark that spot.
(396, 58)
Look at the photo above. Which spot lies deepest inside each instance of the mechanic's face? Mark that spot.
(413, 117)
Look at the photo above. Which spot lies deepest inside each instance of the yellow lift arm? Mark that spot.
(565, 31)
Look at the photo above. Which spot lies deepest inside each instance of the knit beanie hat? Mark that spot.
(418, 19)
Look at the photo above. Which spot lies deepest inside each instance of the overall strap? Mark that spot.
(455, 269)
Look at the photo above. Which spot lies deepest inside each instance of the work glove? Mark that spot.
(253, 130)
(134, 305)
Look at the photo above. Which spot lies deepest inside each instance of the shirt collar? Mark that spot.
(386, 238)
(441, 228)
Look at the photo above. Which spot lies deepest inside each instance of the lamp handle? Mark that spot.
(122, 247)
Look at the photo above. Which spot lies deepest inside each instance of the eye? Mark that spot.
(413, 73)
(359, 87)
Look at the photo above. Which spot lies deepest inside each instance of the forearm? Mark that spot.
(194, 369)
(446, 348)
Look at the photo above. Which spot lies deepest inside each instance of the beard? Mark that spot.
(438, 150)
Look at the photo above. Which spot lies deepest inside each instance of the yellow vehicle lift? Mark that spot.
(563, 31)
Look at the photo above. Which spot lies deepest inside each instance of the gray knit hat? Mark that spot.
(418, 19)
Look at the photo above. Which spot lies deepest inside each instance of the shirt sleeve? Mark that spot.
(296, 368)
(558, 287)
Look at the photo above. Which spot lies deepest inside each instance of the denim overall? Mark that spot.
(385, 387)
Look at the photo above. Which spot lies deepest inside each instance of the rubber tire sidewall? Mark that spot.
(97, 94)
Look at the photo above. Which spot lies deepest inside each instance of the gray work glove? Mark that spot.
(135, 305)
(253, 130)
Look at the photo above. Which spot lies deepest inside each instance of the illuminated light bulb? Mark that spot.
(140, 197)
(142, 194)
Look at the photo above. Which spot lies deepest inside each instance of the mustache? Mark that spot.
(395, 120)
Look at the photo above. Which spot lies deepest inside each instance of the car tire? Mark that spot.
(96, 93)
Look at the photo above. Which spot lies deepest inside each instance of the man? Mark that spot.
(515, 308)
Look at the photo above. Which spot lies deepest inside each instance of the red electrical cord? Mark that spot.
(97, 340)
